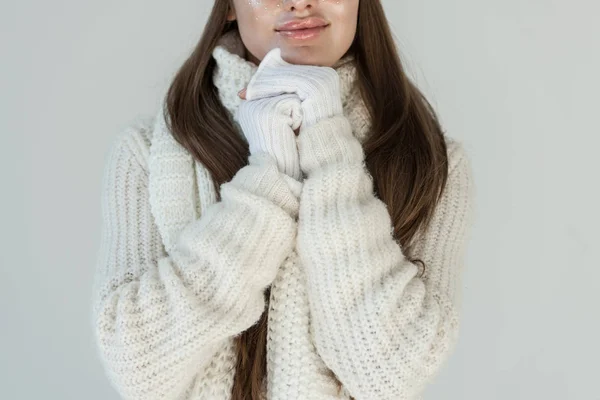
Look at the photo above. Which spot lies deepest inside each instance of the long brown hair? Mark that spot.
(405, 150)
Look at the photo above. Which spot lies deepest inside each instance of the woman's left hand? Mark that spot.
(317, 86)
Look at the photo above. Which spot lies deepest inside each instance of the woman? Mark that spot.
(291, 225)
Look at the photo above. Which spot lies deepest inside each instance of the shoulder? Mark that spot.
(459, 192)
(458, 156)
(131, 144)
(460, 170)
(454, 211)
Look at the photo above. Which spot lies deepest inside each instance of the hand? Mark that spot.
(242, 95)
(317, 87)
(268, 125)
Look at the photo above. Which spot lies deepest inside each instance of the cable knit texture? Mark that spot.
(179, 274)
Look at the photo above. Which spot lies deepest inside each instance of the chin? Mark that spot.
(300, 56)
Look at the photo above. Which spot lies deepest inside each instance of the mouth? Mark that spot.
(302, 33)
(305, 29)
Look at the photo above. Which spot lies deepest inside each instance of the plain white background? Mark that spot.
(516, 80)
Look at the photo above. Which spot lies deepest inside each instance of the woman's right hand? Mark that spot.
(269, 125)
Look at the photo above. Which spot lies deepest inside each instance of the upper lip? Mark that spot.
(304, 23)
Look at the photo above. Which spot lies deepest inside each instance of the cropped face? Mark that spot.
(315, 32)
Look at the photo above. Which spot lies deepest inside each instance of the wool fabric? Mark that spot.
(179, 274)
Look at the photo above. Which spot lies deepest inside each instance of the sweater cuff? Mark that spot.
(262, 177)
(328, 141)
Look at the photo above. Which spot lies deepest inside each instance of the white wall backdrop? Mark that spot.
(516, 80)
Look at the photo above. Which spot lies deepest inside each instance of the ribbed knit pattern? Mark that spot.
(268, 125)
(179, 274)
(317, 87)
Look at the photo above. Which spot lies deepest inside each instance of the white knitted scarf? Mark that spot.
(181, 188)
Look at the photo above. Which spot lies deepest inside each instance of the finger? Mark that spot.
(242, 94)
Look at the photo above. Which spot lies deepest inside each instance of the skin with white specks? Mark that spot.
(257, 20)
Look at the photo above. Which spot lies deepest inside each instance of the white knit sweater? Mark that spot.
(180, 274)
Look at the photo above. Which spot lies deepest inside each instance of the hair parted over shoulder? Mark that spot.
(405, 151)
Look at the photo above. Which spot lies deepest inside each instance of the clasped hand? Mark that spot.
(317, 87)
(280, 98)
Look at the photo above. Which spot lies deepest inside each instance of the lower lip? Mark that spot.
(303, 34)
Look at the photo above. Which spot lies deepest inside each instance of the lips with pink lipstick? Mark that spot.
(302, 29)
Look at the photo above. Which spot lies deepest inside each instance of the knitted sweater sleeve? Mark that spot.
(380, 327)
(159, 318)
